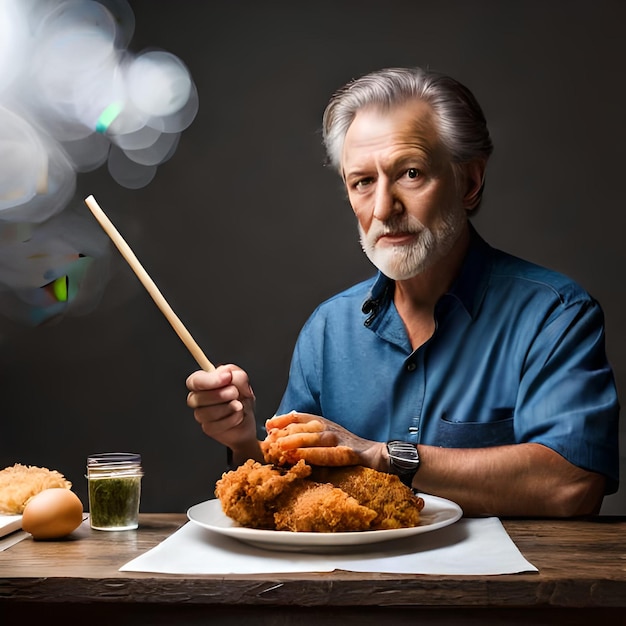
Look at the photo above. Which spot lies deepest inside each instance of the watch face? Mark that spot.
(403, 455)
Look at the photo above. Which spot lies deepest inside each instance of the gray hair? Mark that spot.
(461, 122)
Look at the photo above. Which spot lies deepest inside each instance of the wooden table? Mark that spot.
(581, 580)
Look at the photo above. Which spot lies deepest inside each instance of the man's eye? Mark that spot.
(362, 183)
(412, 172)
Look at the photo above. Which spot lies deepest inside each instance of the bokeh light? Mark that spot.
(74, 98)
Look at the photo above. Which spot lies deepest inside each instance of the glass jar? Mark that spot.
(114, 480)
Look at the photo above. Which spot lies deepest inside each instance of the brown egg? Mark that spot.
(52, 513)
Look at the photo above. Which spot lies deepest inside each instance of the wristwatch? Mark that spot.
(404, 460)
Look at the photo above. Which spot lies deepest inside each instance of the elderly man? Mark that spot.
(473, 374)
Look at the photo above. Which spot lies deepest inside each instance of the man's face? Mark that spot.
(402, 188)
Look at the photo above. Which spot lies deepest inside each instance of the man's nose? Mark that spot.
(386, 203)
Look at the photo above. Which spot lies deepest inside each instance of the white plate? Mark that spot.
(437, 513)
(9, 524)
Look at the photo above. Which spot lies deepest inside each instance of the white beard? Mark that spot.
(405, 261)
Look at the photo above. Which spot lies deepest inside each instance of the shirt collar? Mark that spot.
(468, 288)
(471, 284)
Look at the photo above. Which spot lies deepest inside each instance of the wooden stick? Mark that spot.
(148, 283)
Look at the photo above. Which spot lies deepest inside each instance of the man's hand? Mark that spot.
(521, 479)
(319, 441)
(223, 403)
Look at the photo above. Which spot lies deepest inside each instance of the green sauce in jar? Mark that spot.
(114, 490)
(114, 502)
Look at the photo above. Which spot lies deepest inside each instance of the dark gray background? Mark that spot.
(245, 231)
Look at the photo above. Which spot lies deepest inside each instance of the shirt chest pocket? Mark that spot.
(495, 429)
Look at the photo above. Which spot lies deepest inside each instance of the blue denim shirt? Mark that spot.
(518, 355)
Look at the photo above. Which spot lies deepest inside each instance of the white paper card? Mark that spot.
(9, 524)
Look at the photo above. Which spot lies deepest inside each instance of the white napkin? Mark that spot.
(479, 546)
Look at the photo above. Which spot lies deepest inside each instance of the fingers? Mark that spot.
(300, 435)
(223, 385)
(281, 421)
(316, 440)
(204, 381)
(218, 428)
(295, 436)
(336, 456)
(222, 401)
(314, 426)
(306, 440)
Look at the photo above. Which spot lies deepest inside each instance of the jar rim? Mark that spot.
(113, 458)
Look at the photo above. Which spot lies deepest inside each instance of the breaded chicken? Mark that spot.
(395, 504)
(319, 507)
(250, 494)
(328, 500)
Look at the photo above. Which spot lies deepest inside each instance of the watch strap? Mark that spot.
(404, 460)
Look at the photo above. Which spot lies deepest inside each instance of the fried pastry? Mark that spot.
(19, 483)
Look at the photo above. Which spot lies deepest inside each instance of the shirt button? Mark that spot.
(411, 367)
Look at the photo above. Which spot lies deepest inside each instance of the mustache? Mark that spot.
(396, 227)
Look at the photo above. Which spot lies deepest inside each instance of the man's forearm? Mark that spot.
(518, 480)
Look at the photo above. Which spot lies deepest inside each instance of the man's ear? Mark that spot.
(474, 180)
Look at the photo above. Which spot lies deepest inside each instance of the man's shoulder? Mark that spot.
(529, 275)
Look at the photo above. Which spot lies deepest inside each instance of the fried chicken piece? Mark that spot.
(250, 494)
(268, 497)
(320, 499)
(319, 507)
(395, 504)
